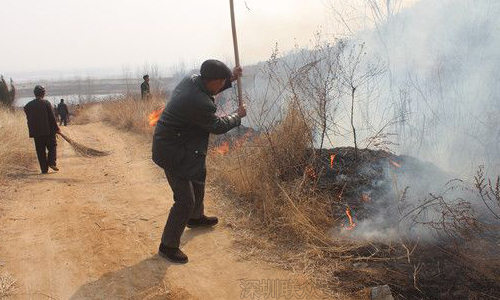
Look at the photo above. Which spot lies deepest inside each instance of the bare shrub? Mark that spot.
(489, 192)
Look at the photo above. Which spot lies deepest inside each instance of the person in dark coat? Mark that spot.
(63, 112)
(180, 144)
(43, 127)
(56, 113)
(145, 93)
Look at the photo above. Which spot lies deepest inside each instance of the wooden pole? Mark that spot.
(236, 52)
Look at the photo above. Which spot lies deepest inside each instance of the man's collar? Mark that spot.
(201, 84)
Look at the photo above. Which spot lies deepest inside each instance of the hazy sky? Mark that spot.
(68, 35)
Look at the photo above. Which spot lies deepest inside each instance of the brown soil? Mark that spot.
(91, 231)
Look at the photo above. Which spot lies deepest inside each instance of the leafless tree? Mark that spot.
(319, 83)
(356, 72)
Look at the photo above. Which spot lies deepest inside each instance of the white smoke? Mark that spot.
(443, 76)
(441, 86)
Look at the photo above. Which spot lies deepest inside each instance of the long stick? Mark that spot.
(236, 52)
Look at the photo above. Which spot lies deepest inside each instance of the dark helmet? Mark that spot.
(214, 69)
(39, 91)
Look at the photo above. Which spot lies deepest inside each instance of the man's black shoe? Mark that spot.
(54, 168)
(202, 222)
(173, 254)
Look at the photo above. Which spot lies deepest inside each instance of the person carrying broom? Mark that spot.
(180, 145)
(42, 128)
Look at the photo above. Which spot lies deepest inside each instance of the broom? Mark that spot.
(83, 150)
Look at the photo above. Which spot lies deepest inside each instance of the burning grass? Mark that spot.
(16, 148)
(314, 211)
(124, 113)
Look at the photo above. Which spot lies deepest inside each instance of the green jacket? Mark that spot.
(180, 140)
(145, 90)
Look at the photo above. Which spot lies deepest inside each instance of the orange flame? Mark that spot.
(240, 142)
(223, 149)
(395, 164)
(226, 146)
(352, 225)
(154, 116)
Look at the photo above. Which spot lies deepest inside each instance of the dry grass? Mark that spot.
(126, 113)
(266, 174)
(16, 148)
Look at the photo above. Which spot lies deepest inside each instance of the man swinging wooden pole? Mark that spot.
(180, 144)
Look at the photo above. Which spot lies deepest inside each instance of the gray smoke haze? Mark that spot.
(444, 75)
(442, 81)
(442, 85)
(436, 87)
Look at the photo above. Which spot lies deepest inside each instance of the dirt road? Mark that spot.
(91, 231)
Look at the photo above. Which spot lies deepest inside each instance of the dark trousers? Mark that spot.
(64, 119)
(42, 144)
(188, 203)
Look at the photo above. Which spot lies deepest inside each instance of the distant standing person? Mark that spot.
(145, 93)
(56, 113)
(43, 127)
(63, 111)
